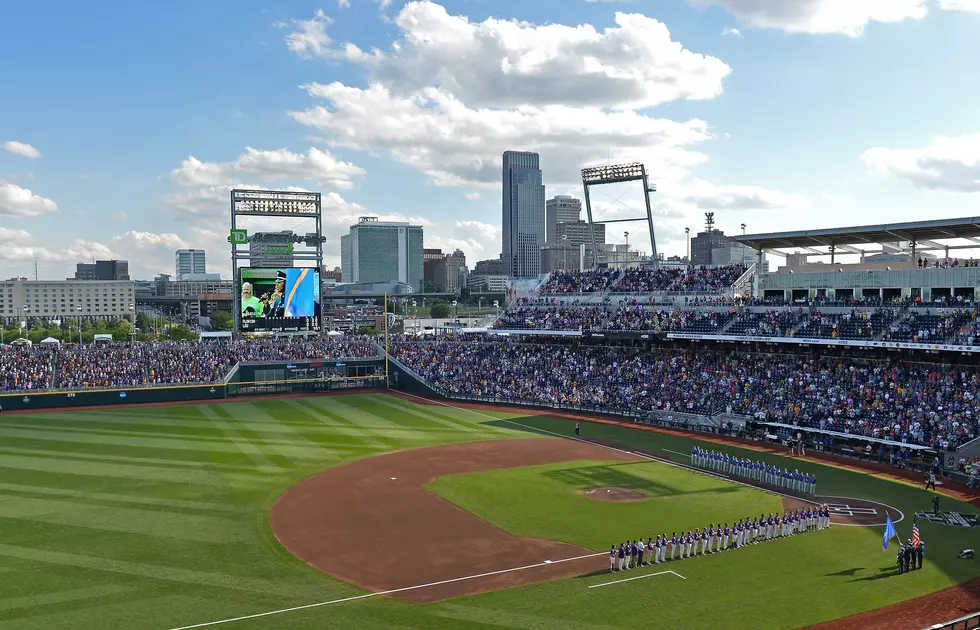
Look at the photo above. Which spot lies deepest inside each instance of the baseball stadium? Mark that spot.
(489, 477)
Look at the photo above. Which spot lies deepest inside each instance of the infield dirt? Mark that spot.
(371, 523)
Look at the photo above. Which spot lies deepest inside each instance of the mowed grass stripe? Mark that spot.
(324, 430)
(386, 420)
(161, 524)
(374, 438)
(401, 417)
(272, 414)
(172, 443)
(122, 471)
(61, 597)
(150, 571)
(219, 416)
(416, 411)
(139, 461)
(106, 497)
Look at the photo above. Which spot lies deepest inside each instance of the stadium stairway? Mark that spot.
(728, 324)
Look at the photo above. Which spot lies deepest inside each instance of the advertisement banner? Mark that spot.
(855, 343)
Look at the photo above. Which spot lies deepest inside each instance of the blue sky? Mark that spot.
(123, 125)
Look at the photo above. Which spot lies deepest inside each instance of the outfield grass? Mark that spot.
(157, 517)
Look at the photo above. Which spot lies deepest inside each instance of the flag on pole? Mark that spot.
(889, 532)
(915, 532)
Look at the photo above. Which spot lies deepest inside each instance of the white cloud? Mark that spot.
(507, 63)
(844, 17)
(119, 216)
(946, 163)
(708, 196)
(734, 32)
(21, 202)
(835, 198)
(310, 38)
(269, 166)
(343, 4)
(141, 240)
(960, 5)
(21, 246)
(476, 239)
(21, 149)
(455, 145)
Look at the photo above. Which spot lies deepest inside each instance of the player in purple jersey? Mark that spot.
(728, 532)
(673, 544)
(687, 544)
(612, 558)
(650, 547)
(694, 540)
(711, 538)
(655, 552)
(663, 547)
(704, 540)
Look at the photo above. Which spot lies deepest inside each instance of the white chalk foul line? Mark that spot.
(639, 577)
(546, 563)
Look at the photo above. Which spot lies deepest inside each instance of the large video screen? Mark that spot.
(279, 299)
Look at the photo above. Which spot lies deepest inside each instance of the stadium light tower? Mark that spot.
(600, 175)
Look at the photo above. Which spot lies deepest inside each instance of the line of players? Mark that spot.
(756, 471)
(717, 539)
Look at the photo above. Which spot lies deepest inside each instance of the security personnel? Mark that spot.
(920, 551)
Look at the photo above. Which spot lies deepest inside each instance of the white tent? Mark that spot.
(21, 342)
(104, 338)
(335, 333)
(50, 341)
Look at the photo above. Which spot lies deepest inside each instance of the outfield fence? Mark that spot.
(969, 622)
(243, 380)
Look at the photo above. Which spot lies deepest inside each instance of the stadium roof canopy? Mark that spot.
(927, 235)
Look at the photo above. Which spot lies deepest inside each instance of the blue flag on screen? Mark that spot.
(889, 532)
(299, 292)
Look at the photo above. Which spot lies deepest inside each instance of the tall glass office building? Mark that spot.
(383, 251)
(523, 214)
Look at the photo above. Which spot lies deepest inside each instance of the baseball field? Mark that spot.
(375, 511)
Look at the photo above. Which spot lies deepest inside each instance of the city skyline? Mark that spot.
(803, 118)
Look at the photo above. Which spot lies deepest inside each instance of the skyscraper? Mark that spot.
(384, 251)
(190, 261)
(561, 209)
(523, 214)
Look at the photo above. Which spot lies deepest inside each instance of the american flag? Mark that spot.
(915, 533)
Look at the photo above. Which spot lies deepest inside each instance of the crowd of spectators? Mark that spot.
(643, 280)
(916, 403)
(679, 279)
(140, 364)
(554, 317)
(568, 281)
(26, 368)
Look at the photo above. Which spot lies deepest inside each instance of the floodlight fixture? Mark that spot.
(615, 174)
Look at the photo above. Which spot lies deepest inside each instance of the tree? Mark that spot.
(440, 310)
(143, 322)
(222, 320)
(367, 330)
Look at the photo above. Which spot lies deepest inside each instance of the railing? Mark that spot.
(969, 622)
(743, 279)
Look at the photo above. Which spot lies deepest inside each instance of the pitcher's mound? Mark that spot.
(613, 495)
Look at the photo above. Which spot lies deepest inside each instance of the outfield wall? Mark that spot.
(33, 400)
(252, 380)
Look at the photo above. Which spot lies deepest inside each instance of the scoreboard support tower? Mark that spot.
(274, 204)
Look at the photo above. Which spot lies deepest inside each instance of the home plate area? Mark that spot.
(859, 512)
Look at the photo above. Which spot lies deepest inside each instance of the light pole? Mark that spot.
(27, 320)
(79, 325)
(687, 237)
(743, 244)
(564, 256)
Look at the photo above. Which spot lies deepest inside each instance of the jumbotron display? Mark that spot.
(279, 300)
